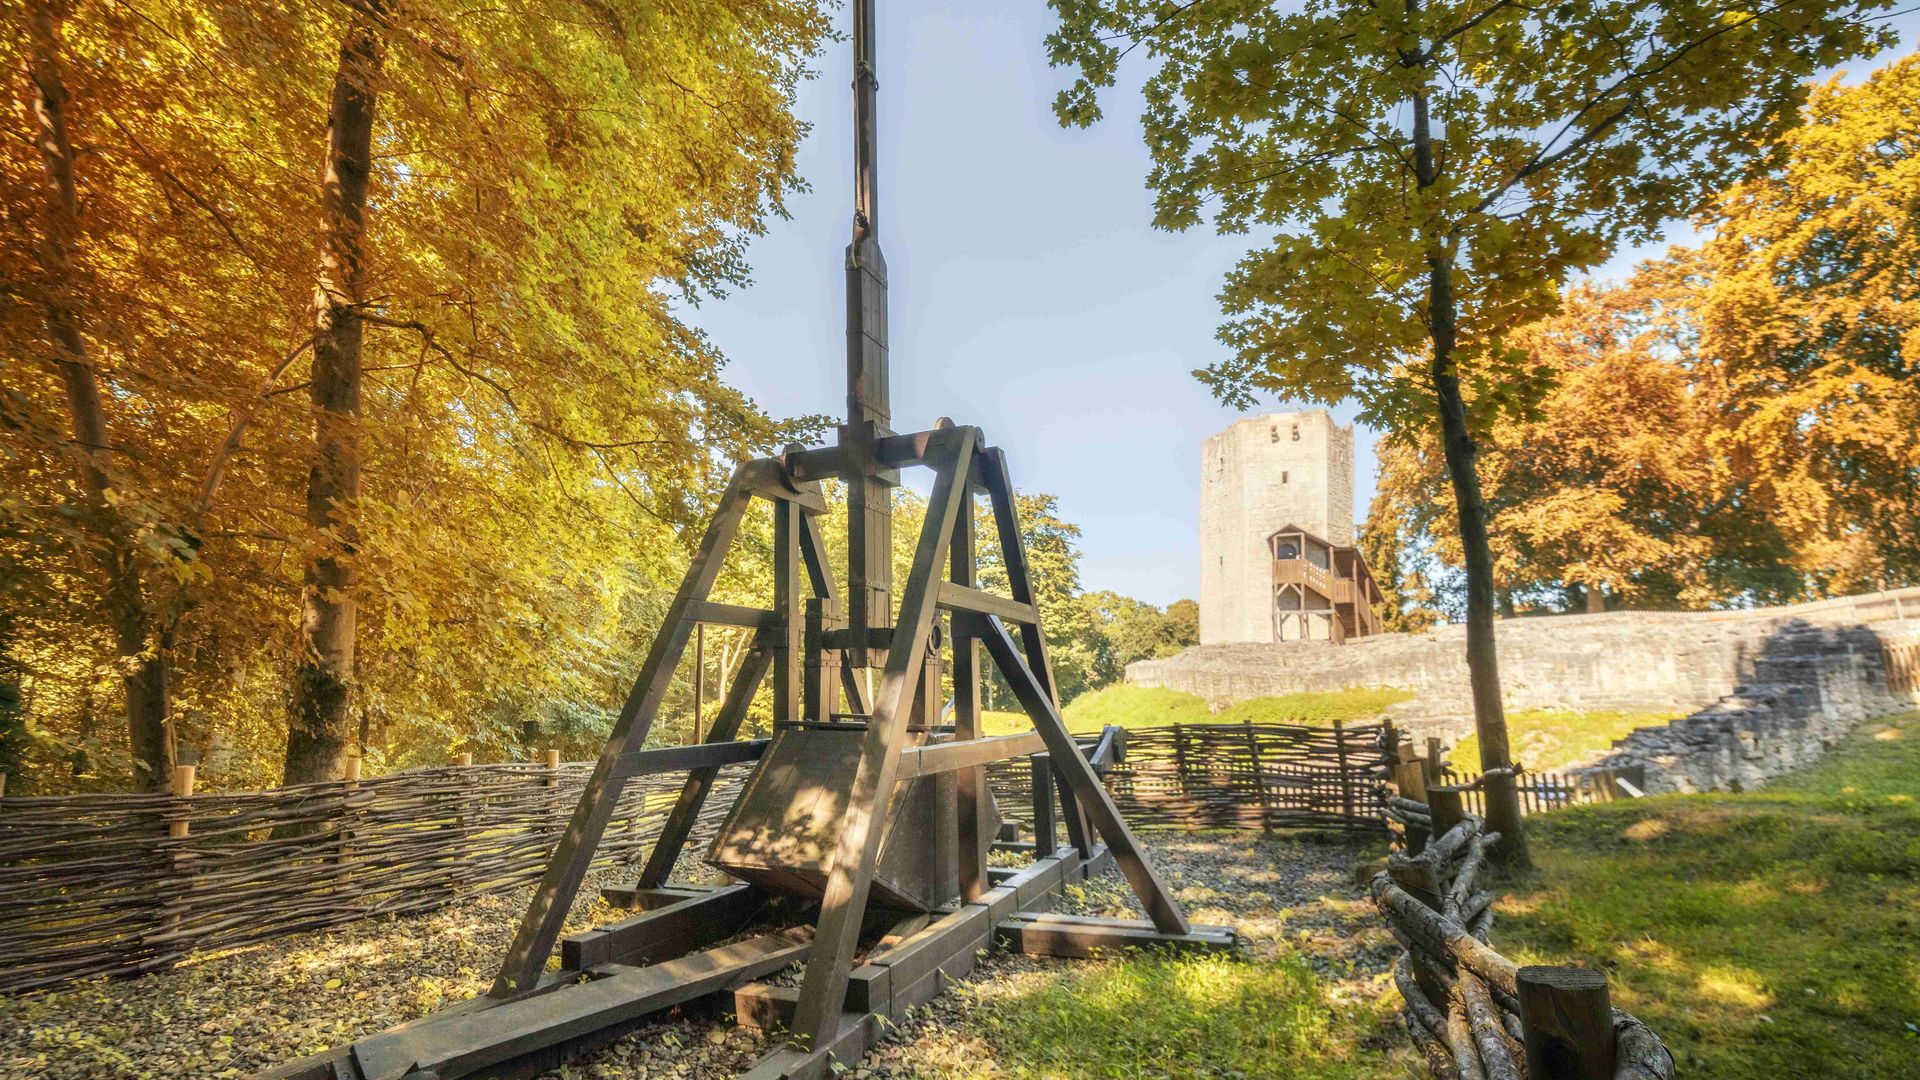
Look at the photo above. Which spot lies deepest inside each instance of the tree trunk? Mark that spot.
(321, 727)
(1483, 662)
(143, 662)
(1596, 600)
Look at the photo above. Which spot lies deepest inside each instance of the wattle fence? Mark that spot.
(123, 884)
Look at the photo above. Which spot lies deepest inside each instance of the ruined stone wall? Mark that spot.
(1681, 661)
(1256, 476)
(1809, 686)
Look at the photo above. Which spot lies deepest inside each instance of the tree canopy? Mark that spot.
(1736, 423)
(534, 420)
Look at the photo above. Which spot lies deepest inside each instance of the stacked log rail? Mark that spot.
(1473, 1013)
(114, 885)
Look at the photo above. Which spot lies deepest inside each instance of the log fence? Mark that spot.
(1473, 1013)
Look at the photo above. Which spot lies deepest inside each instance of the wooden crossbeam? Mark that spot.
(934, 758)
(707, 755)
(664, 932)
(1080, 936)
(533, 942)
(956, 597)
(706, 611)
(890, 453)
(693, 793)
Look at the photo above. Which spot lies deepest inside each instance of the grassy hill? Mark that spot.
(1135, 707)
(1547, 740)
(1772, 933)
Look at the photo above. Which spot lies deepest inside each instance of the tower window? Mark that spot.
(1283, 476)
(1273, 434)
(1296, 433)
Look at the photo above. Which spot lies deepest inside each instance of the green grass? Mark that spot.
(1546, 740)
(1156, 1015)
(1134, 707)
(1772, 933)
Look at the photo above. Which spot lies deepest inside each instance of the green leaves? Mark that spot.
(1554, 139)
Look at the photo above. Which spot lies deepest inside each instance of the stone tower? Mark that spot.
(1263, 473)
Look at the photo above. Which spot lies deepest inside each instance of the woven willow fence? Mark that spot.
(123, 884)
(1235, 776)
(1474, 1014)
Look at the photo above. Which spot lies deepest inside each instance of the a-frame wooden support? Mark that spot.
(801, 645)
(540, 928)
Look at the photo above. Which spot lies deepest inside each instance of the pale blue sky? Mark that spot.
(1029, 295)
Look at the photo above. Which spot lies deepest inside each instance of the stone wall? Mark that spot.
(1673, 661)
(1810, 685)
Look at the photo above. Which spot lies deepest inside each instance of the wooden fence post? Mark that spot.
(182, 789)
(1259, 778)
(1436, 760)
(1447, 807)
(1180, 769)
(457, 856)
(1044, 834)
(1346, 782)
(343, 857)
(1567, 1023)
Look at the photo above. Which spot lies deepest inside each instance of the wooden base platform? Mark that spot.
(614, 976)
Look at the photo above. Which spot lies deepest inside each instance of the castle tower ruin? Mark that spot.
(1290, 470)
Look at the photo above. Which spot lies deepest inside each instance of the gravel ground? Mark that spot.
(230, 1014)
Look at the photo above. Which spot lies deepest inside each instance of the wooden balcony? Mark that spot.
(1302, 572)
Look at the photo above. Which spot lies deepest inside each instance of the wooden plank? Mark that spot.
(663, 933)
(1078, 936)
(951, 756)
(693, 794)
(813, 552)
(463, 1044)
(955, 597)
(766, 478)
(752, 618)
(1072, 766)
(890, 453)
(547, 910)
(707, 755)
(973, 800)
(789, 614)
(650, 899)
(851, 870)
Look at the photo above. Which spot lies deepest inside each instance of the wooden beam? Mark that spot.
(955, 597)
(1083, 937)
(693, 794)
(890, 452)
(707, 755)
(547, 911)
(850, 873)
(665, 932)
(464, 1044)
(1072, 767)
(972, 797)
(706, 611)
(765, 478)
(949, 756)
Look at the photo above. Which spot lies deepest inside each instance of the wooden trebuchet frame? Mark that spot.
(688, 945)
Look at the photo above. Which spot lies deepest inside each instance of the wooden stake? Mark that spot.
(182, 789)
(1567, 1023)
